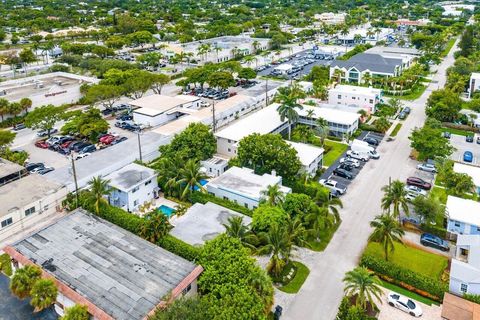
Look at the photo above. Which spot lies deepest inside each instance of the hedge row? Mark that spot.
(413, 281)
(460, 127)
(179, 247)
(435, 230)
(369, 127)
(205, 197)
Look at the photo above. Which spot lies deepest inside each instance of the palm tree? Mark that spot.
(190, 178)
(154, 226)
(395, 195)
(364, 285)
(288, 105)
(296, 231)
(304, 132)
(99, 188)
(322, 129)
(235, 228)
(44, 294)
(386, 231)
(255, 45)
(331, 204)
(273, 195)
(310, 113)
(23, 281)
(277, 244)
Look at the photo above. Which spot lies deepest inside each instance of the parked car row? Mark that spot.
(128, 126)
(38, 167)
(117, 108)
(212, 93)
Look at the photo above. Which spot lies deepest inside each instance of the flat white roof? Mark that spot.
(354, 89)
(331, 115)
(129, 176)
(263, 121)
(472, 171)
(475, 75)
(306, 152)
(156, 104)
(463, 210)
(285, 67)
(244, 182)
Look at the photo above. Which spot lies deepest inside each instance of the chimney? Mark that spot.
(274, 173)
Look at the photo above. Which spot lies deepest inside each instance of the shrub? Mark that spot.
(405, 278)
(434, 229)
(179, 247)
(11, 121)
(205, 197)
(460, 127)
(472, 297)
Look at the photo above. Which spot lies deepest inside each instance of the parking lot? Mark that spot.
(343, 182)
(388, 312)
(461, 145)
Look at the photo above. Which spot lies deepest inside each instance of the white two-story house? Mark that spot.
(463, 216)
(465, 269)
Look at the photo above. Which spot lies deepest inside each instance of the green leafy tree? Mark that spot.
(429, 143)
(88, 124)
(298, 204)
(99, 189)
(6, 138)
(190, 178)
(265, 216)
(23, 280)
(247, 73)
(44, 294)
(237, 229)
(364, 285)
(395, 195)
(184, 308)
(26, 104)
(4, 108)
(44, 117)
(221, 79)
(26, 56)
(382, 124)
(154, 226)
(104, 93)
(459, 184)
(386, 231)
(428, 208)
(159, 80)
(264, 153)
(444, 105)
(77, 312)
(278, 246)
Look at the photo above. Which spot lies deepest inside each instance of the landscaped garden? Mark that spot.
(292, 277)
(336, 149)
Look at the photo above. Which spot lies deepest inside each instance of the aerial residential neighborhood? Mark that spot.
(240, 160)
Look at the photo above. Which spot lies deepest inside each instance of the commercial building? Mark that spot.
(474, 85)
(132, 186)
(111, 271)
(157, 109)
(465, 268)
(366, 98)
(330, 18)
(407, 55)
(365, 35)
(411, 23)
(463, 216)
(357, 67)
(311, 157)
(243, 186)
(470, 170)
(26, 200)
(203, 222)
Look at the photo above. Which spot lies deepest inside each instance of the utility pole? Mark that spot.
(214, 122)
(139, 146)
(74, 171)
(266, 92)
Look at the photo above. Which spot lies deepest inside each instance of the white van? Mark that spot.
(363, 147)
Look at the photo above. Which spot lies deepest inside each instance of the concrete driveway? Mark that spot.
(459, 143)
(388, 312)
(322, 292)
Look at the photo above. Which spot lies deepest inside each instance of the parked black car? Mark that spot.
(371, 141)
(89, 148)
(34, 165)
(469, 139)
(429, 240)
(346, 166)
(343, 173)
(79, 146)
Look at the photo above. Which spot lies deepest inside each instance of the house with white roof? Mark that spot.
(366, 98)
(470, 170)
(465, 268)
(474, 84)
(132, 186)
(463, 216)
(311, 157)
(340, 121)
(243, 186)
(157, 109)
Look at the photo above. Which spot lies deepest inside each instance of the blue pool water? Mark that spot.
(166, 210)
(202, 183)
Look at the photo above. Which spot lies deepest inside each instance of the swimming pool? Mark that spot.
(166, 210)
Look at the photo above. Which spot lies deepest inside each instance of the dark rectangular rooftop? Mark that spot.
(120, 273)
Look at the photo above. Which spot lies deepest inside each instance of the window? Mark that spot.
(353, 98)
(457, 224)
(225, 198)
(245, 205)
(135, 189)
(148, 182)
(135, 202)
(229, 150)
(29, 211)
(464, 287)
(339, 96)
(188, 288)
(371, 100)
(7, 222)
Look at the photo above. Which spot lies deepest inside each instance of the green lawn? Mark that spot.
(457, 131)
(426, 263)
(332, 155)
(396, 129)
(325, 236)
(448, 47)
(417, 91)
(296, 283)
(410, 294)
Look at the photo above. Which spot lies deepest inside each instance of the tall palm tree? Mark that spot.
(273, 195)
(23, 280)
(304, 132)
(322, 129)
(364, 285)
(235, 228)
(288, 105)
(277, 244)
(296, 231)
(44, 294)
(190, 178)
(331, 204)
(99, 188)
(154, 226)
(395, 195)
(386, 232)
(318, 221)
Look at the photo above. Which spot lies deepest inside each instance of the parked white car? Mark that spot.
(356, 155)
(428, 167)
(415, 190)
(405, 304)
(353, 162)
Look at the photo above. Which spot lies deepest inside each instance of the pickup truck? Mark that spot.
(359, 156)
(334, 186)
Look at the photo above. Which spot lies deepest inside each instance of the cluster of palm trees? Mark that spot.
(288, 98)
(14, 108)
(297, 230)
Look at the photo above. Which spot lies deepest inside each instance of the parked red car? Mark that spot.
(107, 139)
(414, 181)
(67, 144)
(41, 144)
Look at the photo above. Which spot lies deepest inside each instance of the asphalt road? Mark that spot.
(322, 292)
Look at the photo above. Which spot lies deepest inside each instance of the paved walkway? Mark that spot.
(322, 292)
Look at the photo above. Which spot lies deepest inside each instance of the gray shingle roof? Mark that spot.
(368, 61)
(120, 273)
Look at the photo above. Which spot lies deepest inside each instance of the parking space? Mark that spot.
(462, 146)
(387, 312)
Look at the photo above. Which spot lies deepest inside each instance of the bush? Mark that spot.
(369, 127)
(472, 297)
(460, 127)
(179, 247)
(405, 278)
(205, 197)
(11, 121)
(434, 229)
(333, 138)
